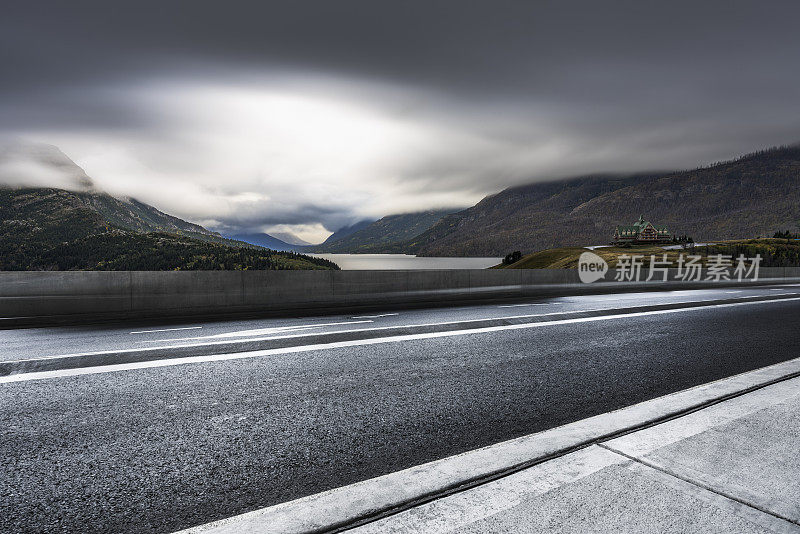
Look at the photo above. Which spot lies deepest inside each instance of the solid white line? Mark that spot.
(355, 343)
(375, 316)
(166, 330)
(355, 330)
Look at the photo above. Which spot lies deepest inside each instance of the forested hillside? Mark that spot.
(383, 235)
(752, 196)
(54, 229)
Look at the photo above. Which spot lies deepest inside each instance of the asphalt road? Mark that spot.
(157, 449)
(53, 341)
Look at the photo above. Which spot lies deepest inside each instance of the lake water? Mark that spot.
(383, 262)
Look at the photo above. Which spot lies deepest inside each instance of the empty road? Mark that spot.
(157, 448)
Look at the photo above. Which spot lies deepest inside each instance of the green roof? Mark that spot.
(637, 227)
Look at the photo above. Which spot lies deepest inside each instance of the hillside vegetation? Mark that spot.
(774, 253)
(752, 196)
(54, 229)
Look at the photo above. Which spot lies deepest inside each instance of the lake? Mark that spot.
(390, 262)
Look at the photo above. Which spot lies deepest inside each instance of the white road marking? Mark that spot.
(41, 375)
(375, 316)
(166, 330)
(257, 331)
(733, 291)
(354, 330)
(522, 305)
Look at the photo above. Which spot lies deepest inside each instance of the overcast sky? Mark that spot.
(304, 116)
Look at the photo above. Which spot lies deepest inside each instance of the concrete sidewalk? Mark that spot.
(731, 467)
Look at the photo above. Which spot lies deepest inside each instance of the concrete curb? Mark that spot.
(359, 503)
(55, 363)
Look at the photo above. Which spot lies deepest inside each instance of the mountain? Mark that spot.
(52, 167)
(343, 232)
(385, 234)
(40, 165)
(47, 228)
(290, 238)
(267, 241)
(55, 229)
(754, 195)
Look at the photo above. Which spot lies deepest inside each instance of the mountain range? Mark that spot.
(381, 235)
(268, 241)
(84, 228)
(387, 234)
(754, 195)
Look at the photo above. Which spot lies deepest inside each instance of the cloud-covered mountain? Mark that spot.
(32, 165)
(345, 231)
(752, 196)
(288, 237)
(50, 228)
(40, 165)
(257, 116)
(267, 241)
(382, 235)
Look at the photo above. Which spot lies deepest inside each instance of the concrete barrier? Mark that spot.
(36, 297)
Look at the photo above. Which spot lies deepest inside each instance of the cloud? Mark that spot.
(310, 116)
(39, 165)
(246, 157)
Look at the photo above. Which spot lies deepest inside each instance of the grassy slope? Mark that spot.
(775, 253)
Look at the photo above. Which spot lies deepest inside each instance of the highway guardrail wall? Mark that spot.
(39, 296)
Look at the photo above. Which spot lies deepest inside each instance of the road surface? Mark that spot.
(160, 448)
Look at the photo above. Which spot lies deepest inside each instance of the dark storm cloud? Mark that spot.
(513, 47)
(539, 89)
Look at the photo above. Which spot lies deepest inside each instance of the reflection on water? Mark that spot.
(368, 262)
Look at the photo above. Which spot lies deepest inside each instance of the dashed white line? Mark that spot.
(259, 331)
(374, 316)
(522, 305)
(289, 334)
(167, 330)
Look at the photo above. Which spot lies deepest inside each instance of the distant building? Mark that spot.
(641, 232)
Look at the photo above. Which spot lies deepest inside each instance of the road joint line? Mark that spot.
(663, 469)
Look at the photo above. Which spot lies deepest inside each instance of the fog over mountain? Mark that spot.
(40, 165)
(251, 117)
